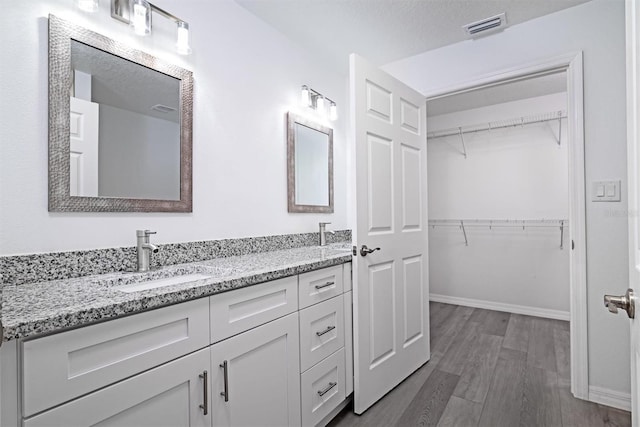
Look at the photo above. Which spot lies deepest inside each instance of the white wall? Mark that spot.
(138, 155)
(596, 28)
(247, 76)
(513, 173)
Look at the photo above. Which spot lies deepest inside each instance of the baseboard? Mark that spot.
(612, 398)
(499, 306)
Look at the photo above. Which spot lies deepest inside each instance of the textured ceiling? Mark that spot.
(387, 30)
(124, 84)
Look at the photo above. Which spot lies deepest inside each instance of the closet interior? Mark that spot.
(498, 179)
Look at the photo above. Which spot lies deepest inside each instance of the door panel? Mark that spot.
(84, 127)
(380, 184)
(633, 170)
(391, 284)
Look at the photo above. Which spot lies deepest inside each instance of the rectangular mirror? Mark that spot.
(309, 166)
(120, 125)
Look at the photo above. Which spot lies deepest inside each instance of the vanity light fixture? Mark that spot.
(137, 13)
(317, 101)
(87, 5)
(305, 97)
(141, 17)
(333, 111)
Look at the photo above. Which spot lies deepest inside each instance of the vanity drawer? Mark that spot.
(320, 285)
(322, 388)
(60, 367)
(242, 309)
(321, 331)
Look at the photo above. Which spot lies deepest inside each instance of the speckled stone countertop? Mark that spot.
(36, 308)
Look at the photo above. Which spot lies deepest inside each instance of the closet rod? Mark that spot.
(490, 223)
(514, 122)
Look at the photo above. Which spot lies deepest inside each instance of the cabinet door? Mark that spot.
(171, 395)
(256, 377)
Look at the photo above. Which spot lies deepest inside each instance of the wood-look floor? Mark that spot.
(491, 369)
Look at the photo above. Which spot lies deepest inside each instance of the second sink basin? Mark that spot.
(166, 281)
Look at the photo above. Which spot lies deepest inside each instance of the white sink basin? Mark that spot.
(159, 283)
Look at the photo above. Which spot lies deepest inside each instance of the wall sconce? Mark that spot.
(87, 5)
(317, 101)
(137, 13)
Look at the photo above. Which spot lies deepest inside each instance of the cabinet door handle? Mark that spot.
(225, 393)
(326, 390)
(205, 383)
(325, 285)
(329, 329)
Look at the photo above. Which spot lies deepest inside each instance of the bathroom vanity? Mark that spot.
(259, 339)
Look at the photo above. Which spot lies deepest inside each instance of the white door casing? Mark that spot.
(83, 160)
(391, 292)
(633, 166)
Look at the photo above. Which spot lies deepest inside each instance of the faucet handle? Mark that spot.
(148, 232)
(324, 223)
(144, 233)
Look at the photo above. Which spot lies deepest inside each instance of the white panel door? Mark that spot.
(633, 156)
(391, 292)
(171, 395)
(256, 376)
(84, 148)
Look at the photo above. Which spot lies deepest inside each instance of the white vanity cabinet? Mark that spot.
(278, 353)
(255, 376)
(170, 395)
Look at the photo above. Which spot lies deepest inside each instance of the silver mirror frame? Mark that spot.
(292, 119)
(60, 35)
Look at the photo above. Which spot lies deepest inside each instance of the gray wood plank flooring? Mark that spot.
(491, 369)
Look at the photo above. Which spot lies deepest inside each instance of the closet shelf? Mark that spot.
(463, 224)
(513, 122)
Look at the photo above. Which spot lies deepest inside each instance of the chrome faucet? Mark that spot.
(145, 249)
(323, 233)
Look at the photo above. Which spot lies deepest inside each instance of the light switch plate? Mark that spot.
(605, 191)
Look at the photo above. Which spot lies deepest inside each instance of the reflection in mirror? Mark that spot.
(310, 166)
(120, 124)
(125, 129)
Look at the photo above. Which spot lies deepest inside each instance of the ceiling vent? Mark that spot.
(163, 108)
(486, 26)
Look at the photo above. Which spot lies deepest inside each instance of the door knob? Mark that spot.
(625, 302)
(364, 250)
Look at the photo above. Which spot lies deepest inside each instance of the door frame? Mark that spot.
(572, 64)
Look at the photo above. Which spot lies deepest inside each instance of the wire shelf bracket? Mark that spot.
(514, 122)
(463, 224)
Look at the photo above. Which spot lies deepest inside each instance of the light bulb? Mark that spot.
(87, 5)
(305, 99)
(182, 43)
(333, 111)
(320, 105)
(141, 17)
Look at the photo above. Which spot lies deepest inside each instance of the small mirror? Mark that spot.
(119, 126)
(309, 166)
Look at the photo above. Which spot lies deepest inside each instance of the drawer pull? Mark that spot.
(325, 285)
(326, 390)
(205, 407)
(225, 393)
(329, 329)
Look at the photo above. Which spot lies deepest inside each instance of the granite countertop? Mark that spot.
(45, 307)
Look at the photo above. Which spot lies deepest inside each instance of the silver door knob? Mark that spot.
(364, 250)
(625, 302)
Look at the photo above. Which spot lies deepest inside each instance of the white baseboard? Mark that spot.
(612, 398)
(499, 306)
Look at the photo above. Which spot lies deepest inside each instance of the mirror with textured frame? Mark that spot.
(120, 126)
(309, 166)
